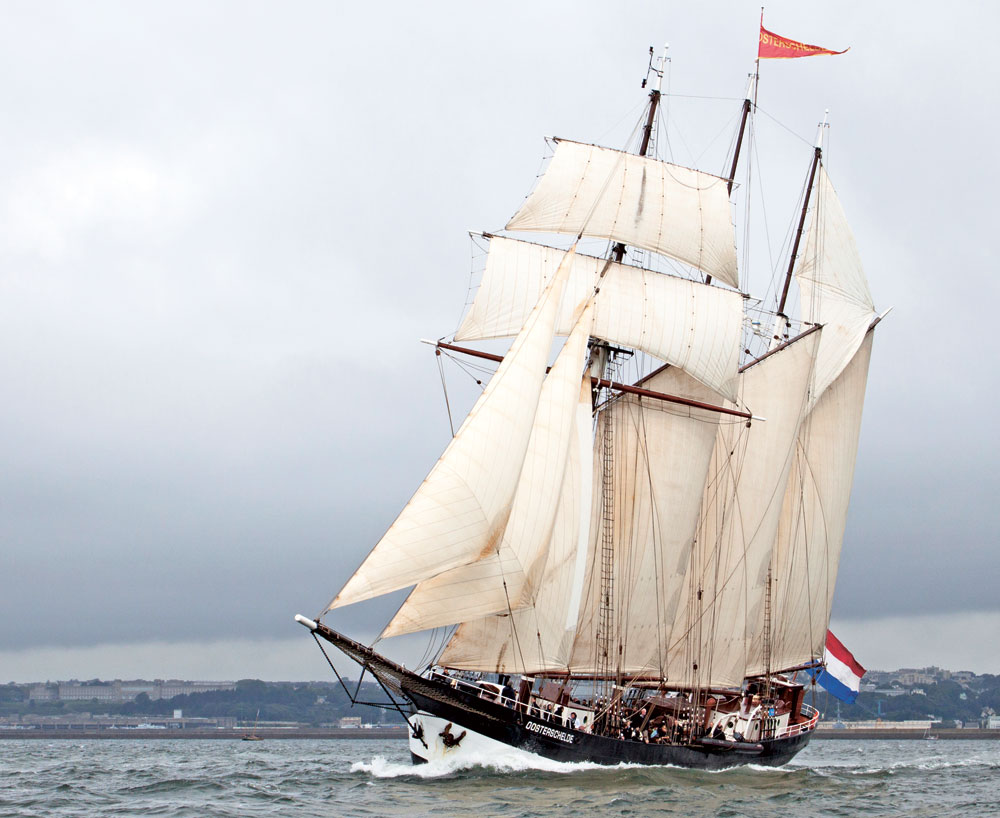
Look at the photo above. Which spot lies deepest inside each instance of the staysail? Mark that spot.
(832, 286)
(501, 580)
(685, 323)
(460, 510)
(604, 193)
(814, 516)
(538, 637)
(718, 634)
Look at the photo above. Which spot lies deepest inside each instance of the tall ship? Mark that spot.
(633, 568)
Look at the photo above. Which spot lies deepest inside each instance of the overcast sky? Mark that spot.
(226, 226)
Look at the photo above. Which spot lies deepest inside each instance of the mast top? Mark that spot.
(822, 127)
(657, 70)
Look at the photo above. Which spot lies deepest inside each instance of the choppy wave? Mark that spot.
(368, 778)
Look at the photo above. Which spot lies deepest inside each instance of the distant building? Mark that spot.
(85, 721)
(907, 724)
(350, 721)
(119, 691)
(74, 691)
(913, 676)
(43, 693)
(133, 688)
(167, 690)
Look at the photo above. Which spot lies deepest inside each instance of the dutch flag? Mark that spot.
(842, 674)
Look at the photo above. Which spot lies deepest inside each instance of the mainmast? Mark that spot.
(747, 105)
(768, 634)
(817, 158)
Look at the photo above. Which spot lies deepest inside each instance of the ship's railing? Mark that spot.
(812, 715)
(489, 691)
(476, 688)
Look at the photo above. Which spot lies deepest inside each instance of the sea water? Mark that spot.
(186, 777)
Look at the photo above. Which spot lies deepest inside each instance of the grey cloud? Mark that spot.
(227, 226)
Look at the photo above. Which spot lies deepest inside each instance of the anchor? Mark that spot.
(449, 739)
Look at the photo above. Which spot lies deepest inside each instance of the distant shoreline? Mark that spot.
(268, 733)
(893, 733)
(888, 734)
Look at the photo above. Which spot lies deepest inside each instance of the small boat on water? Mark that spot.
(634, 569)
(252, 735)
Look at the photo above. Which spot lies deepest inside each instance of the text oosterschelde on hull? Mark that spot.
(550, 732)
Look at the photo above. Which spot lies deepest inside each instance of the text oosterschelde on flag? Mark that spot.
(775, 47)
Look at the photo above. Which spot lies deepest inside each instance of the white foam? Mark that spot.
(760, 768)
(514, 761)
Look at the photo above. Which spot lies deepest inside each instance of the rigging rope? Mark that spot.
(444, 388)
(510, 614)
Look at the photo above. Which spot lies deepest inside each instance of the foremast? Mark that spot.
(609, 648)
(607, 359)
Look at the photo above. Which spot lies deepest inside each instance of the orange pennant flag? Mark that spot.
(773, 47)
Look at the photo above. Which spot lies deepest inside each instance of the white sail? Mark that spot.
(659, 206)
(503, 579)
(538, 637)
(832, 285)
(721, 631)
(814, 515)
(661, 453)
(460, 510)
(685, 323)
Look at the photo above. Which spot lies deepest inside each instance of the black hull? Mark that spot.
(468, 711)
(560, 743)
